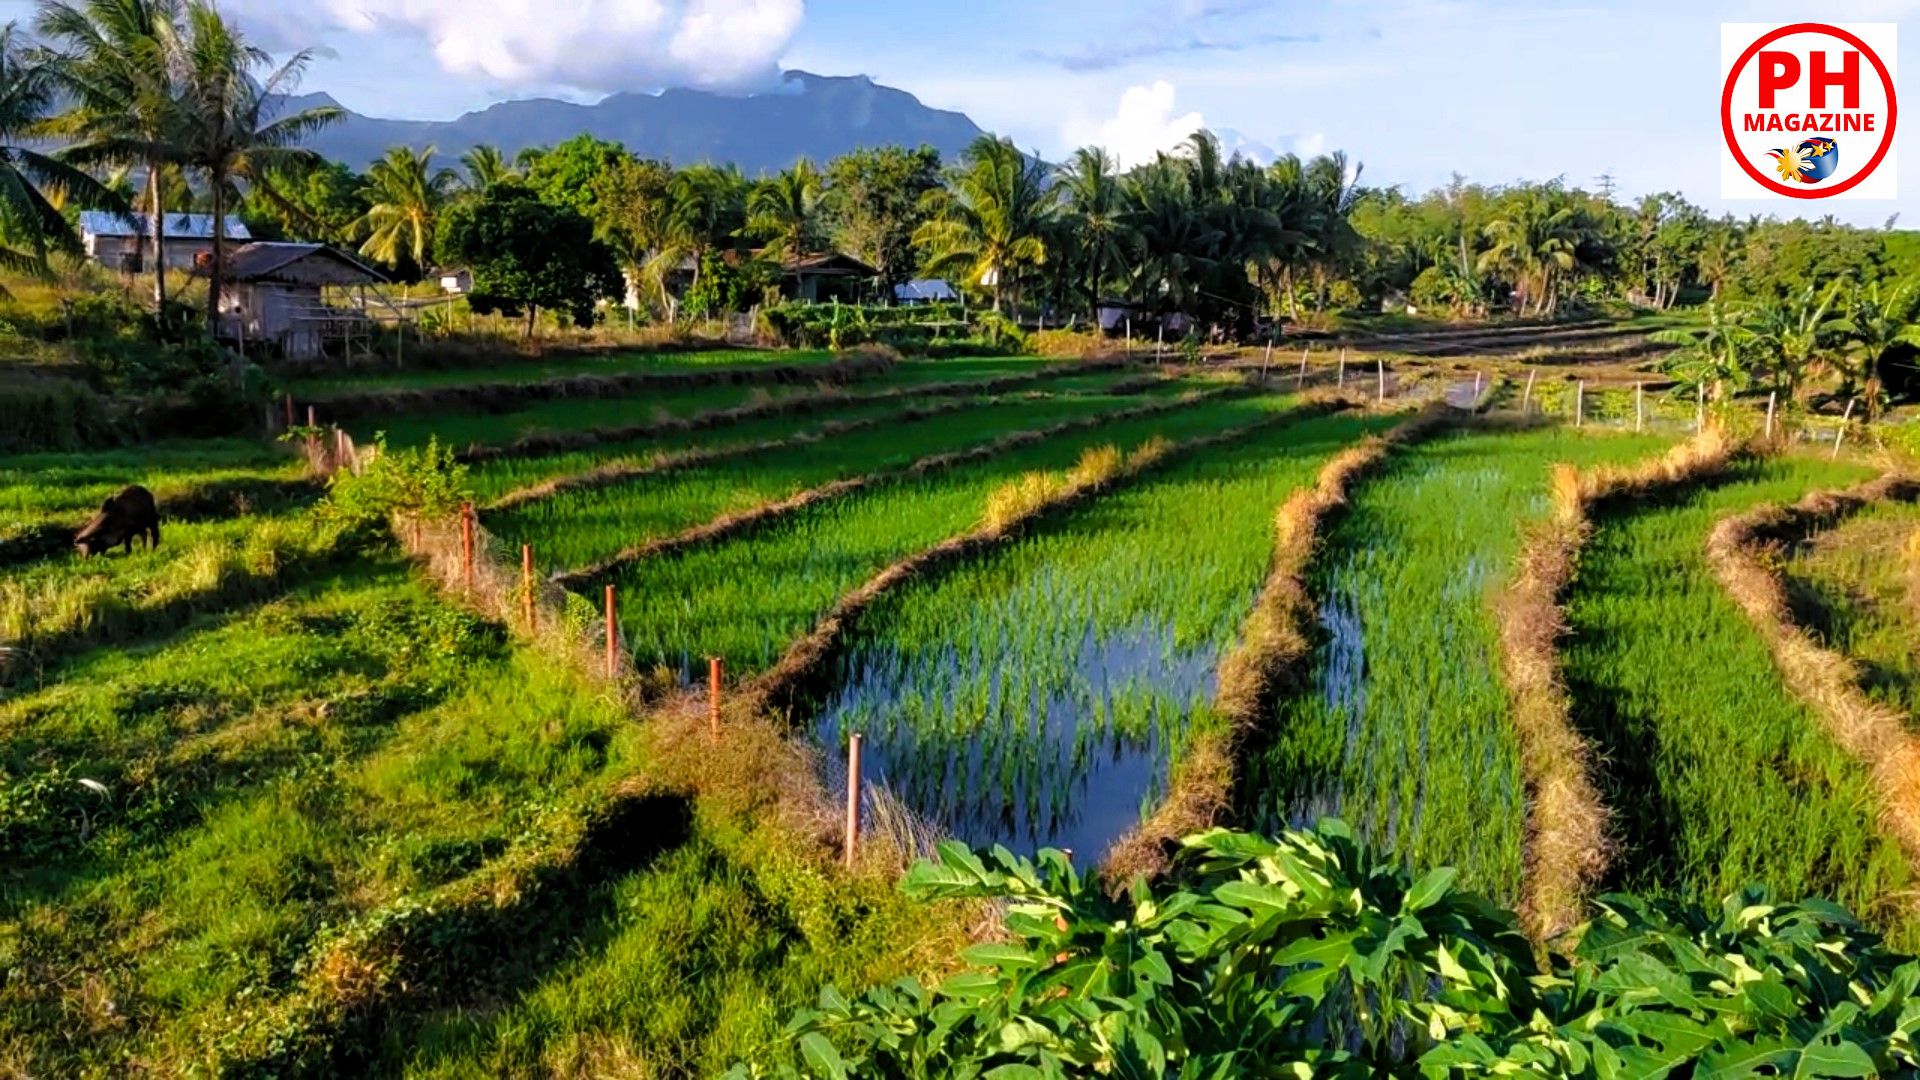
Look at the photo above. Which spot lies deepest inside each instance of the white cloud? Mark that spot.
(589, 45)
(1144, 124)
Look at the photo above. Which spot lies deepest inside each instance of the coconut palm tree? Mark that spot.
(986, 227)
(484, 166)
(227, 129)
(33, 186)
(1533, 242)
(110, 60)
(1093, 214)
(404, 193)
(784, 210)
(707, 209)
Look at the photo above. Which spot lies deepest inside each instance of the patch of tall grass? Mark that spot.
(1403, 728)
(1850, 586)
(1038, 695)
(1721, 775)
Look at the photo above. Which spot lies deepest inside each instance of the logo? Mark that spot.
(1793, 96)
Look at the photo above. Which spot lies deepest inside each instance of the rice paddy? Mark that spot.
(581, 527)
(320, 387)
(744, 599)
(1722, 777)
(1037, 697)
(1403, 730)
(1856, 587)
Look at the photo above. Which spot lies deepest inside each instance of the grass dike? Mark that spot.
(1567, 843)
(1741, 550)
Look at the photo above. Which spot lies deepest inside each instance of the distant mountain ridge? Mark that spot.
(813, 116)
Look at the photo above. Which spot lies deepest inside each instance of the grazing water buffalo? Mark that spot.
(121, 519)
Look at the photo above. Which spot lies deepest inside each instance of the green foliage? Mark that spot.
(1308, 955)
(872, 205)
(723, 286)
(425, 482)
(526, 254)
(571, 174)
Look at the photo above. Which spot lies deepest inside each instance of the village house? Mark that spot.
(124, 243)
(274, 298)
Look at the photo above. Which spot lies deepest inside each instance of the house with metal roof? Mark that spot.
(124, 242)
(275, 297)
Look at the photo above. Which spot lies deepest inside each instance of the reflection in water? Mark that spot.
(1056, 743)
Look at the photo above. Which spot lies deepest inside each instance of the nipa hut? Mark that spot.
(274, 297)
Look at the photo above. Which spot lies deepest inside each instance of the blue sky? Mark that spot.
(1415, 89)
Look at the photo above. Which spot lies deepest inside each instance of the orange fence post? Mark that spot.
(853, 796)
(526, 585)
(466, 544)
(713, 693)
(612, 634)
(289, 411)
(311, 424)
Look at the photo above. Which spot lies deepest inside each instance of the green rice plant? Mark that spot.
(1720, 775)
(1853, 588)
(1402, 727)
(746, 598)
(320, 387)
(582, 527)
(70, 486)
(1037, 696)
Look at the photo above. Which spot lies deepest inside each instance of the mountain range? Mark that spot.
(808, 115)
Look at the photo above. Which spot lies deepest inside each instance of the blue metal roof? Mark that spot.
(178, 226)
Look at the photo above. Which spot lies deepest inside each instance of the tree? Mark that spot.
(111, 60)
(1717, 354)
(784, 210)
(566, 174)
(635, 213)
(1882, 319)
(527, 254)
(227, 127)
(1093, 214)
(706, 211)
(33, 186)
(987, 226)
(405, 193)
(320, 201)
(484, 166)
(1797, 338)
(1533, 243)
(873, 205)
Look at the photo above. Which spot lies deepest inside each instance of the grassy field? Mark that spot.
(1037, 696)
(577, 528)
(1404, 729)
(744, 599)
(1720, 775)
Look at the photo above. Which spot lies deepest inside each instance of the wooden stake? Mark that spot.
(853, 796)
(1773, 400)
(466, 544)
(1301, 382)
(1526, 400)
(1266, 361)
(1639, 406)
(289, 411)
(1841, 435)
(1700, 419)
(1380, 366)
(713, 693)
(1579, 404)
(1477, 377)
(1343, 367)
(612, 637)
(311, 424)
(1160, 343)
(1129, 337)
(526, 587)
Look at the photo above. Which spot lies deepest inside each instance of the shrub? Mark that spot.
(50, 414)
(425, 482)
(1311, 956)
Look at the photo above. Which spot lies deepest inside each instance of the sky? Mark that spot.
(1414, 90)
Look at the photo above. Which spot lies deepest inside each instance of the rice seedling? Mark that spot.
(744, 599)
(583, 527)
(69, 486)
(1404, 727)
(1850, 586)
(1724, 777)
(1037, 696)
(320, 387)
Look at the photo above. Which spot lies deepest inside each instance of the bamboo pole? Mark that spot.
(1300, 382)
(1841, 435)
(1526, 400)
(612, 637)
(1580, 404)
(289, 410)
(1343, 367)
(1380, 368)
(1773, 401)
(1479, 378)
(466, 545)
(714, 679)
(526, 588)
(1639, 406)
(853, 796)
(1700, 417)
(1266, 361)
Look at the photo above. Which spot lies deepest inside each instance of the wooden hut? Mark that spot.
(274, 298)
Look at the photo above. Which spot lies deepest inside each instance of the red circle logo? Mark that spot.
(1777, 75)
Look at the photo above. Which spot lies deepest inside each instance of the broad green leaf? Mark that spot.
(1429, 890)
(821, 1057)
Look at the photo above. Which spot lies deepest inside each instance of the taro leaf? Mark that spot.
(958, 873)
(1246, 894)
(1429, 890)
(821, 1058)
